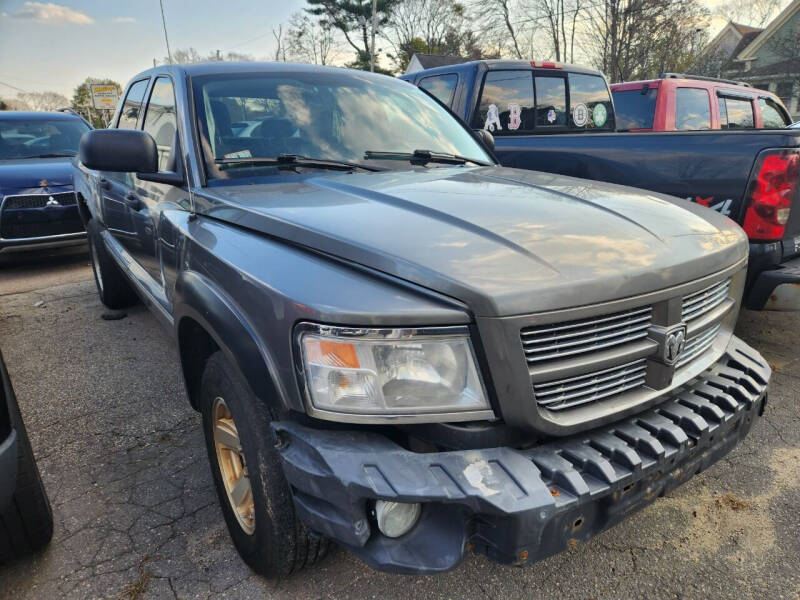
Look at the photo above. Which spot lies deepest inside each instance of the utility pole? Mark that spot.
(374, 27)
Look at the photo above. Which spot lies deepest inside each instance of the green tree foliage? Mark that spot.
(82, 100)
(353, 18)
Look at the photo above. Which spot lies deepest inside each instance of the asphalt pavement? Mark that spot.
(136, 515)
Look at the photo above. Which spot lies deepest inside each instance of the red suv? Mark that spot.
(678, 102)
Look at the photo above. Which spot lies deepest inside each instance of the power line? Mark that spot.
(13, 87)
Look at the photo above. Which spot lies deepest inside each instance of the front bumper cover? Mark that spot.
(518, 506)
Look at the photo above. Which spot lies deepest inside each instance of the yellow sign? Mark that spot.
(104, 96)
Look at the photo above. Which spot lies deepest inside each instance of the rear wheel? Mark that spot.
(114, 289)
(27, 524)
(253, 492)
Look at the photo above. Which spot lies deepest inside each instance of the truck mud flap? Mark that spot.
(777, 289)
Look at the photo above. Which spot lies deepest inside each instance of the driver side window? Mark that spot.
(160, 122)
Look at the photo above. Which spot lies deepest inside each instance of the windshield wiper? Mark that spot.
(290, 161)
(53, 155)
(423, 157)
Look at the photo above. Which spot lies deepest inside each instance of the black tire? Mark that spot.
(279, 544)
(27, 523)
(114, 289)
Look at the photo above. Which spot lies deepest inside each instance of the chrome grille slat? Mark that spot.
(592, 337)
(579, 322)
(697, 345)
(541, 390)
(705, 300)
(578, 332)
(574, 351)
(585, 335)
(575, 391)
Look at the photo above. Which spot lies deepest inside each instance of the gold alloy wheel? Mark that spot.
(232, 465)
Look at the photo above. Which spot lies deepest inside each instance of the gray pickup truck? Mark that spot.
(398, 345)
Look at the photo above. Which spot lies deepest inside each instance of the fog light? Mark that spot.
(396, 518)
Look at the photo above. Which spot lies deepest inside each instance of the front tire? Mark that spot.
(253, 492)
(114, 289)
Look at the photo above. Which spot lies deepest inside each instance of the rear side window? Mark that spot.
(692, 110)
(129, 115)
(590, 102)
(506, 103)
(771, 114)
(551, 102)
(441, 86)
(159, 121)
(736, 113)
(635, 110)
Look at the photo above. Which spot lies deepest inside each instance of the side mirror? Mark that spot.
(123, 150)
(487, 138)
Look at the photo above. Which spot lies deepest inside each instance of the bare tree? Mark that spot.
(184, 56)
(191, 55)
(638, 39)
(756, 13)
(280, 46)
(43, 100)
(561, 18)
(431, 27)
(310, 41)
(14, 104)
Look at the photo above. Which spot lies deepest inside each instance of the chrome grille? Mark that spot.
(559, 340)
(574, 391)
(38, 200)
(705, 300)
(698, 344)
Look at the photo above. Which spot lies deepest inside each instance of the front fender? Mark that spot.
(198, 299)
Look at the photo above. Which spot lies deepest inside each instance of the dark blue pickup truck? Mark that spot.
(749, 175)
(37, 205)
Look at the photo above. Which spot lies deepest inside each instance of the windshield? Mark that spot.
(335, 116)
(33, 138)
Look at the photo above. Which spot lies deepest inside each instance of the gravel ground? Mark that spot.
(122, 457)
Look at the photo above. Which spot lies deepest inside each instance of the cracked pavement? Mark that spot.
(136, 516)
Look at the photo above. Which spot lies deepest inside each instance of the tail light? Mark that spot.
(771, 193)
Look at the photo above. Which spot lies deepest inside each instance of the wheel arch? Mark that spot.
(206, 320)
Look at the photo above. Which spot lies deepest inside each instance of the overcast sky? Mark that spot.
(56, 45)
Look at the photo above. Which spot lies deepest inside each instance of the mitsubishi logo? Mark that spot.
(52, 202)
(673, 345)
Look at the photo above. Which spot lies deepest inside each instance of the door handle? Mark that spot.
(105, 183)
(132, 200)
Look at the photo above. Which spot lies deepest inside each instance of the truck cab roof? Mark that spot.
(501, 65)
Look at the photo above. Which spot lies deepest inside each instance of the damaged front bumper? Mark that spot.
(518, 506)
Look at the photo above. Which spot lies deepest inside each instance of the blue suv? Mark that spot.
(37, 203)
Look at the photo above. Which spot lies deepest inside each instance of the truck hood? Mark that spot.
(28, 173)
(503, 241)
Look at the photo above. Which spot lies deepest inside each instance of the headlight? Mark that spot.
(406, 375)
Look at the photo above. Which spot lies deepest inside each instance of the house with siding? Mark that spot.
(767, 59)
